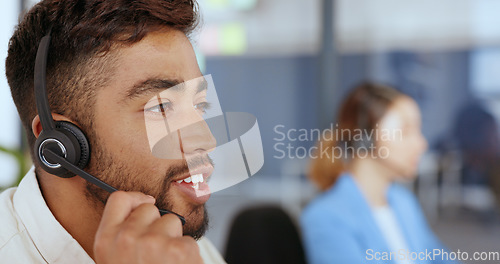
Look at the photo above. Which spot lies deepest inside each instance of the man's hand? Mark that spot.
(132, 231)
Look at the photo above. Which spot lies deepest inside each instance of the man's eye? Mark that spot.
(203, 106)
(161, 108)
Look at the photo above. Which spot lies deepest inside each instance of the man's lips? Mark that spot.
(194, 184)
(205, 171)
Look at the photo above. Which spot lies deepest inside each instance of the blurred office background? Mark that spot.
(290, 62)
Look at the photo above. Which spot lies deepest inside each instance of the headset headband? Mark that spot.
(40, 81)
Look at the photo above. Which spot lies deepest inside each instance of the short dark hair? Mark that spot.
(83, 33)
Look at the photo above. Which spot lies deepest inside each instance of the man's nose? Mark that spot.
(196, 137)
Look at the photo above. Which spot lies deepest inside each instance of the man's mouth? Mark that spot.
(194, 184)
(194, 180)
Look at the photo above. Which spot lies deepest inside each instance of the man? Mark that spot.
(107, 59)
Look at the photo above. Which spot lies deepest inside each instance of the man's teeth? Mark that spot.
(195, 179)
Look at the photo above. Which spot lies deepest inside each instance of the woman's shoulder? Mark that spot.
(340, 200)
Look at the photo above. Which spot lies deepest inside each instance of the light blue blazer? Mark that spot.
(338, 227)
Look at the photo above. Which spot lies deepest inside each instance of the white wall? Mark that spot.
(367, 25)
(9, 121)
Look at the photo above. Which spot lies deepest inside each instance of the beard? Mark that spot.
(124, 176)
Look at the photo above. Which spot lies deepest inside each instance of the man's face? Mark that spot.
(138, 95)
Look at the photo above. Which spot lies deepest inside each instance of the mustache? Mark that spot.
(188, 164)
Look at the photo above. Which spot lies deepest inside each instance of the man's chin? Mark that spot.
(196, 222)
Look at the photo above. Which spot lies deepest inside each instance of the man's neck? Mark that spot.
(67, 201)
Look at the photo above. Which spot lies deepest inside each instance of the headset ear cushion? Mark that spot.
(75, 132)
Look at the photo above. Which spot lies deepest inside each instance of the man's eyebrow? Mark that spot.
(151, 86)
(156, 85)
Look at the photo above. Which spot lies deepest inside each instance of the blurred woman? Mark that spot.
(363, 216)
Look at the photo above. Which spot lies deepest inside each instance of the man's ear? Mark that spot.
(36, 125)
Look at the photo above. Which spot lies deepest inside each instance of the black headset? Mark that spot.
(62, 149)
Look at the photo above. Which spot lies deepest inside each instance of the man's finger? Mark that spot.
(141, 217)
(169, 225)
(119, 206)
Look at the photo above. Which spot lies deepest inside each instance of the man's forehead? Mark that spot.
(158, 42)
(160, 61)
